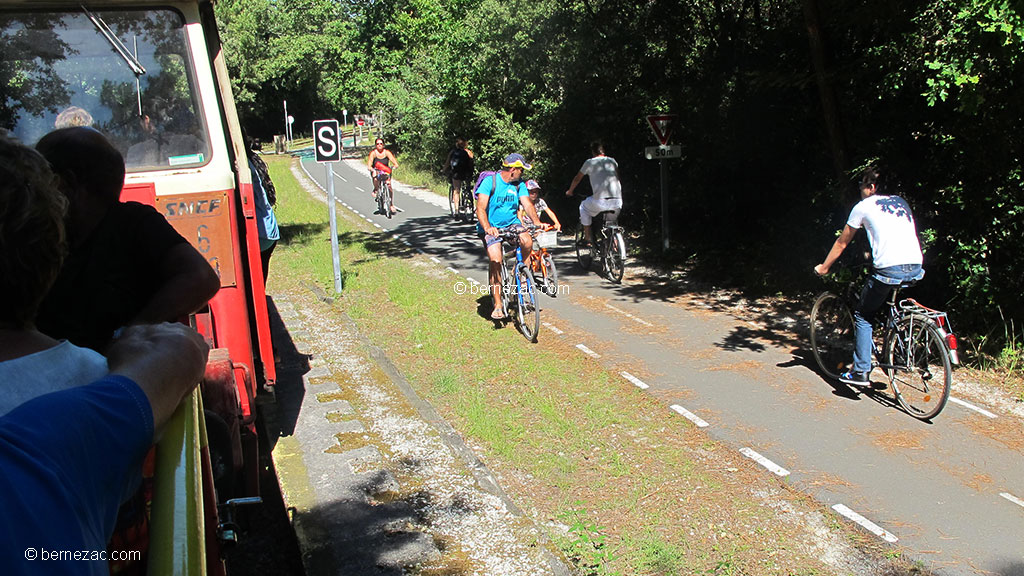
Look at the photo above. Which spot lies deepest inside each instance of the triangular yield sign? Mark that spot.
(662, 126)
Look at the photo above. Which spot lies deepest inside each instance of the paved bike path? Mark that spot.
(945, 491)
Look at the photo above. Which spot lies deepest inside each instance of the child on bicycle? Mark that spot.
(540, 205)
(896, 257)
(542, 208)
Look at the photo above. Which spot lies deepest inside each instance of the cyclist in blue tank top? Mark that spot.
(498, 200)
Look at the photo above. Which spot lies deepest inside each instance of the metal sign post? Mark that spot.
(328, 151)
(662, 125)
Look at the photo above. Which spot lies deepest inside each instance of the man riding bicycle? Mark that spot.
(497, 200)
(604, 179)
(896, 258)
(380, 162)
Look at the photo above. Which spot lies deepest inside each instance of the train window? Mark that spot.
(127, 73)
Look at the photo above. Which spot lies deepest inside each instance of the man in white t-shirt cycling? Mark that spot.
(896, 257)
(604, 179)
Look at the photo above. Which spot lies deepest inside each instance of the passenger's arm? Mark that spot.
(166, 360)
(837, 250)
(187, 282)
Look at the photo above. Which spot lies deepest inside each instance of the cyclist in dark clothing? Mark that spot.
(459, 167)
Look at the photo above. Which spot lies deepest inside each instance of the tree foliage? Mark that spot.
(766, 115)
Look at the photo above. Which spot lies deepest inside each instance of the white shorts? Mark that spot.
(593, 206)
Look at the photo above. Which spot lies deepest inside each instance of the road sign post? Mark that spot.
(327, 147)
(662, 125)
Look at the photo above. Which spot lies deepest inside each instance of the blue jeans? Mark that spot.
(872, 297)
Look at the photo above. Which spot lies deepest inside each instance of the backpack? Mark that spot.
(461, 162)
(486, 174)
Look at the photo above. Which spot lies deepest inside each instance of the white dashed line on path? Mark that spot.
(583, 348)
(435, 259)
(636, 381)
(472, 280)
(552, 327)
(378, 225)
(700, 422)
(360, 189)
(970, 406)
(1012, 498)
(452, 270)
(628, 315)
(470, 242)
(868, 524)
(771, 466)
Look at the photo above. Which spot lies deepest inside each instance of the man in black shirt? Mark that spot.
(126, 264)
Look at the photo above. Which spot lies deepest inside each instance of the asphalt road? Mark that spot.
(948, 493)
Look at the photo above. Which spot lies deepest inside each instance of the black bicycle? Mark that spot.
(384, 194)
(918, 349)
(609, 246)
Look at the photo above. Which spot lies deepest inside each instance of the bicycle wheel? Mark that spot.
(388, 200)
(381, 199)
(527, 310)
(583, 253)
(451, 202)
(918, 366)
(615, 257)
(550, 275)
(467, 202)
(832, 334)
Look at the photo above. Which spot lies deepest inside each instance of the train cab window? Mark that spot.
(127, 73)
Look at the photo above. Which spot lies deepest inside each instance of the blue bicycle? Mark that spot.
(518, 289)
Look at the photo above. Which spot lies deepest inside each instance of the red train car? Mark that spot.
(151, 76)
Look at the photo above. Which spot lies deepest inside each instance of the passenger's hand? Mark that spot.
(166, 360)
(820, 270)
(558, 227)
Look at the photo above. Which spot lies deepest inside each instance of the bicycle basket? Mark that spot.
(547, 239)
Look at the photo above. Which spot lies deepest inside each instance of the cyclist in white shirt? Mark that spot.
(604, 179)
(896, 257)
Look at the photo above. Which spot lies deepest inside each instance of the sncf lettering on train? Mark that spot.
(193, 207)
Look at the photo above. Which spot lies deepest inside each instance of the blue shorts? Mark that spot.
(489, 240)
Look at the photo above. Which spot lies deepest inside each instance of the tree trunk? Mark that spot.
(829, 102)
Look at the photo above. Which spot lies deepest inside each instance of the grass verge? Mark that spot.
(624, 485)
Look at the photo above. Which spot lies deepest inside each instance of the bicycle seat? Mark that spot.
(609, 217)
